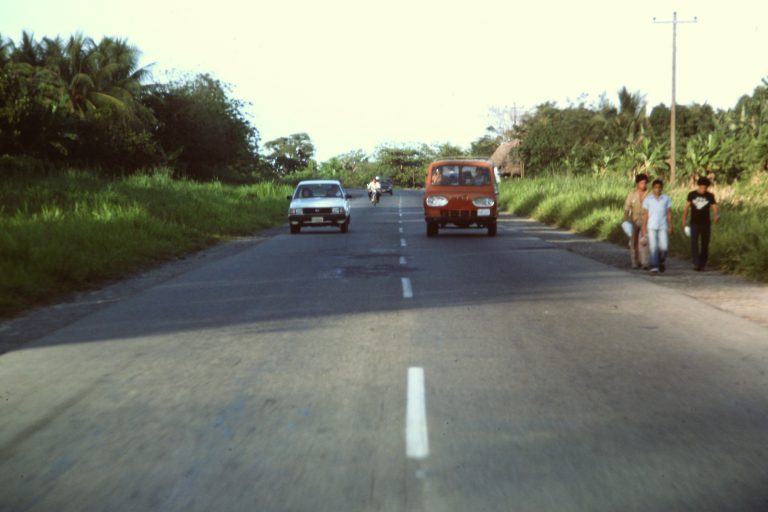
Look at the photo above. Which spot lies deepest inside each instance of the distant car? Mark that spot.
(317, 203)
(386, 185)
(461, 192)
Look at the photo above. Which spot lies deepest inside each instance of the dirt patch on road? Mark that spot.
(742, 297)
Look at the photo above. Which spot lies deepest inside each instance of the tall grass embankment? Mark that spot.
(594, 206)
(69, 231)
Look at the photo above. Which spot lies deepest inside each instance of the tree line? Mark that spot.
(79, 102)
(86, 103)
(624, 138)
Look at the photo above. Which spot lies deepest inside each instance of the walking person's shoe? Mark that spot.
(654, 270)
(662, 267)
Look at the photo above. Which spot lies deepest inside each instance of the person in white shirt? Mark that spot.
(657, 225)
(374, 190)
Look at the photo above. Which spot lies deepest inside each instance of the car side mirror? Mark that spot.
(348, 196)
(289, 197)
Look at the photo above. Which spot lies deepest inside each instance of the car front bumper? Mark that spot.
(319, 219)
(461, 217)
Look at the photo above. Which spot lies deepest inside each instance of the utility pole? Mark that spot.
(672, 135)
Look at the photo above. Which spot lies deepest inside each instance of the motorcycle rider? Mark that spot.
(374, 190)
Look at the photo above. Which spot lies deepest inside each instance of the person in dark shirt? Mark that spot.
(700, 202)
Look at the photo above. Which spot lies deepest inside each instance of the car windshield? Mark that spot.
(461, 175)
(317, 190)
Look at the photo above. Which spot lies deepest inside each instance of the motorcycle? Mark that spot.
(375, 195)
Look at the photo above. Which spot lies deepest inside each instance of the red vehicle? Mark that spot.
(462, 193)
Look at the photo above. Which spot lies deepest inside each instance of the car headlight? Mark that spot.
(296, 211)
(437, 201)
(483, 202)
(337, 210)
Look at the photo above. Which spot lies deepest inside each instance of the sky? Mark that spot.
(358, 74)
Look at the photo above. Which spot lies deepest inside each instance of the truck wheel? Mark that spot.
(432, 228)
(295, 229)
(492, 229)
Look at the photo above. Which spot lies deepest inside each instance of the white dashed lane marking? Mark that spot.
(416, 435)
(407, 288)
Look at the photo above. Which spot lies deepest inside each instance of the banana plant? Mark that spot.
(699, 155)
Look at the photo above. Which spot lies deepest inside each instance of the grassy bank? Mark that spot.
(593, 206)
(68, 231)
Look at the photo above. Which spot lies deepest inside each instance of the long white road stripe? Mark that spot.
(416, 436)
(403, 261)
(407, 288)
(403, 243)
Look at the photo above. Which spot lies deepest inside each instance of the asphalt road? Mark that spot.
(382, 370)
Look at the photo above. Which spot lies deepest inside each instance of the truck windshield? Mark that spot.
(461, 175)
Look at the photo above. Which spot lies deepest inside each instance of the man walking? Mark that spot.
(633, 212)
(657, 225)
(701, 224)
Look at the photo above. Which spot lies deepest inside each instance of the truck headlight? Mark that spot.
(337, 210)
(483, 202)
(437, 201)
(296, 211)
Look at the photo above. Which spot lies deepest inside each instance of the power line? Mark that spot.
(672, 135)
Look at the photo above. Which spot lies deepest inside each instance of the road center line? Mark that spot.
(403, 261)
(403, 243)
(400, 230)
(416, 435)
(407, 288)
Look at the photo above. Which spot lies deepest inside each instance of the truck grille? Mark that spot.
(456, 213)
(316, 210)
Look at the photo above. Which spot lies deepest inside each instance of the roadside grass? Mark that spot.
(593, 206)
(69, 231)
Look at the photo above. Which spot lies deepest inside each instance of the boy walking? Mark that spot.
(633, 211)
(701, 224)
(657, 225)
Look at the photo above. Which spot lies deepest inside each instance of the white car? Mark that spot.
(319, 203)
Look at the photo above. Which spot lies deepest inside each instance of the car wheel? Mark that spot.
(492, 229)
(432, 228)
(345, 227)
(295, 229)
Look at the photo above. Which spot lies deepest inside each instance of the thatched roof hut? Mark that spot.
(507, 159)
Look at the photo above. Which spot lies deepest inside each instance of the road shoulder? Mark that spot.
(38, 322)
(734, 294)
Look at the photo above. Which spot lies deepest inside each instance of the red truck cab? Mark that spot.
(462, 193)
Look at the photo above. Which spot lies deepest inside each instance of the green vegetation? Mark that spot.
(82, 103)
(68, 231)
(622, 139)
(594, 207)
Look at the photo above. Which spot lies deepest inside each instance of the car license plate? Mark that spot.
(484, 212)
(317, 220)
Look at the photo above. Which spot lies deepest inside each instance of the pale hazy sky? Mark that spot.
(355, 74)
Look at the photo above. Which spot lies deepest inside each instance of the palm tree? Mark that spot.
(118, 76)
(28, 51)
(631, 117)
(6, 46)
(96, 75)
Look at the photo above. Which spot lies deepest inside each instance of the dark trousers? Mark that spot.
(700, 244)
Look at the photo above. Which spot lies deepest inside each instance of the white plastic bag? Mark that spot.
(627, 227)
